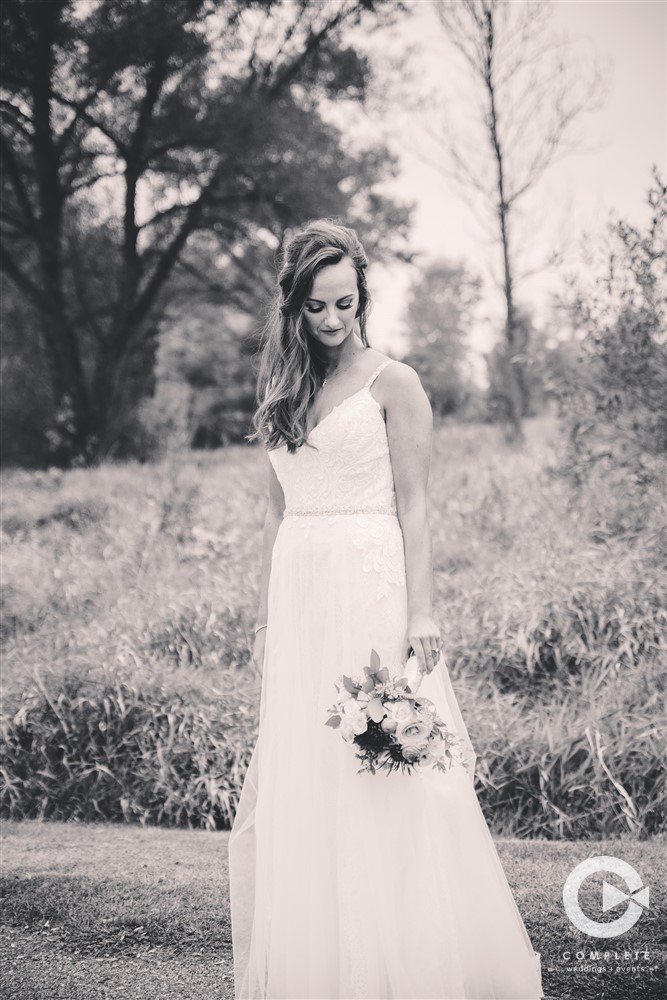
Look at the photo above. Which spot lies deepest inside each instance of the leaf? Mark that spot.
(349, 685)
(368, 685)
(333, 721)
(375, 661)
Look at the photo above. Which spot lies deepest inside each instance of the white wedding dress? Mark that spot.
(348, 885)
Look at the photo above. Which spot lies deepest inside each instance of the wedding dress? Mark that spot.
(349, 885)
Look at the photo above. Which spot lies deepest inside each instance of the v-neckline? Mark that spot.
(331, 412)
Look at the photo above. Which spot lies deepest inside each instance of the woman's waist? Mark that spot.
(330, 531)
(337, 541)
(333, 510)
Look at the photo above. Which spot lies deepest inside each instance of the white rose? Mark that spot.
(346, 729)
(360, 724)
(401, 712)
(351, 708)
(412, 753)
(353, 720)
(413, 734)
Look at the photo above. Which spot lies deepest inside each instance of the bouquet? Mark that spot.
(389, 725)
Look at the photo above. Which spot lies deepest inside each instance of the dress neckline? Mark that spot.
(365, 388)
(347, 399)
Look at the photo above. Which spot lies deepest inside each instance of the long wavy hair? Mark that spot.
(290, 367)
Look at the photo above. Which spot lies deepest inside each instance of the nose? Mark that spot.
(331, 321)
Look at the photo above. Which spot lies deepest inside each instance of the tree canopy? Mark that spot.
(149, 144)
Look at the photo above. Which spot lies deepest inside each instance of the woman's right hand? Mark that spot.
(257, 659)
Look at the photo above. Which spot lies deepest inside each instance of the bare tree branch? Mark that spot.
(92, 122)
(19, 118)
(529, 108)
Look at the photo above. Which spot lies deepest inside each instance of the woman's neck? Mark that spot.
(341, 357)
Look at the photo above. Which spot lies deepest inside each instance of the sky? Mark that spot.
(611, 175)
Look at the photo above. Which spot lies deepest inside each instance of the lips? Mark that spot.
(331, 333)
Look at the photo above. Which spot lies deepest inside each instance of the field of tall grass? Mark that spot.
(129, 599)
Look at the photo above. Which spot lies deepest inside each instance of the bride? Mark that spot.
(348, 884)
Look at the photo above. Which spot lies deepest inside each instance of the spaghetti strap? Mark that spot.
(377, 371)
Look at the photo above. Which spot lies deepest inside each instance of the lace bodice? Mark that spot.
(349, 469)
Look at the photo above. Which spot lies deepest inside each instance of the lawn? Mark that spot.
(96, 911)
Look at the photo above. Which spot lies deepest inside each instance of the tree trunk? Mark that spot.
(124, 378)
(513, 374)
(69, 436)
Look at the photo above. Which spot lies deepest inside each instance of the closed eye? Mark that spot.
(343, 304)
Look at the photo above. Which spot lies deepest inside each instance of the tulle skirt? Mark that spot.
(349, 885)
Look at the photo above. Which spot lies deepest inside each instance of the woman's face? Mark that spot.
(332, 303)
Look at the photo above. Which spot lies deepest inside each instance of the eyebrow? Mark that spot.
(322, 303)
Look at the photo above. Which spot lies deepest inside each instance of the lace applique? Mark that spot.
(381, 543)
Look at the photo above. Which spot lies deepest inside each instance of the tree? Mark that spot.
(438, 318)
(613, 401)
(529, 344)
(134, 130)
(528, 100)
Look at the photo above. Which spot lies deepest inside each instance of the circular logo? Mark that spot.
(636, 897)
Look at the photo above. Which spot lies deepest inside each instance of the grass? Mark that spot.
(129, 598)
(92, 911)
(106, 911)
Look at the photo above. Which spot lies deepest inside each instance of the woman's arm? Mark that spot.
(409, 431)
(274, 516)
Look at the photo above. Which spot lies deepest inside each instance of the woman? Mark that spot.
(347, 884)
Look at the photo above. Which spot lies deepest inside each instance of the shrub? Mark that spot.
(590, 763)
(75, 515)
(613, 407)
(115, 752)
(595, 626)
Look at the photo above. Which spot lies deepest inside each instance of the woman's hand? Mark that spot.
(424, 638)
(257, 659)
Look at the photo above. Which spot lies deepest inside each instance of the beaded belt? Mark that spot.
(302, 511)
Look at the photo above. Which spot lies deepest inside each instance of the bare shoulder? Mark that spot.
(400, 375)
(372, 359)
(399, 387)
